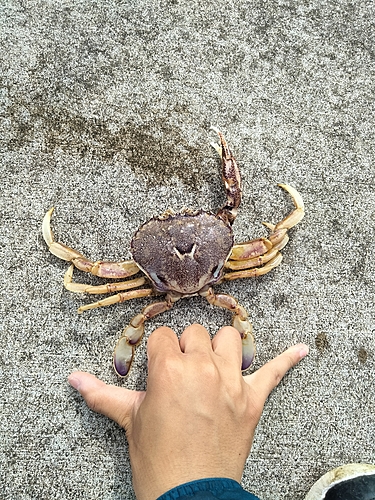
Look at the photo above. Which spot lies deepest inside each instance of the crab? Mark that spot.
(181, 255)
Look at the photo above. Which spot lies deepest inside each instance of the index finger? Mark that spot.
(162, 342)
(227, 344)
(269, 376)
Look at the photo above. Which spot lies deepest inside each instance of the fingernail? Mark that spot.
(303, 350)
(74, 381)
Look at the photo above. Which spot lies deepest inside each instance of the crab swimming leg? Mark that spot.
(132, 335)
(232, 180)
(240, 322)
(100, 268)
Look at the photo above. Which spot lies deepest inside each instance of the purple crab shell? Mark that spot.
(183, 252)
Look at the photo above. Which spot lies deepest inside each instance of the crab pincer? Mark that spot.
(123, 357)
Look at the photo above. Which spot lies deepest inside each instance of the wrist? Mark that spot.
(153, 483)
(216, 487)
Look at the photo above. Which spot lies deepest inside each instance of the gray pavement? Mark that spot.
(105, 114)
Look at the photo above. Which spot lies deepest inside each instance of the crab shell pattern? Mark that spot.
(181, 255)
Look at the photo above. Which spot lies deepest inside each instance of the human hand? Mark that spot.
(198, 416)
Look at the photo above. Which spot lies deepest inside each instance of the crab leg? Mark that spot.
(255, 271)
(105, 288)
(278, 237)
(250, 249)
(99, 268)
(259, 260)
(240, 322)
(297, 215)
(132, 335)
(231, 178)
(119, 297)
(258, 257)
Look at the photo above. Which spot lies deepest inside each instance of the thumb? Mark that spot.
(117, 403)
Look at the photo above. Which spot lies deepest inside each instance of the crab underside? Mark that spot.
(181, 255)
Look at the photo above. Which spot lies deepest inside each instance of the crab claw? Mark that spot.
(135, 330)
(248, 343)
(123, 357)
(248, 351)
(216, 146)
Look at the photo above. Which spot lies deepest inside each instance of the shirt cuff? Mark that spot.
(209, 489)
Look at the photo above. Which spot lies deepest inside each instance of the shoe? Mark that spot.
(348, 482)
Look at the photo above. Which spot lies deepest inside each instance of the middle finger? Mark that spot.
(195, 338)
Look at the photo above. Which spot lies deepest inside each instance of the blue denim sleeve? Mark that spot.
(209, 489)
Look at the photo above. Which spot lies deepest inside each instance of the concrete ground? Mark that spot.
(105, 114)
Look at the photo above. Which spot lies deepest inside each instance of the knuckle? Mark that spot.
(171, 365)
(277, 377)
(280, 368)
(205, 366)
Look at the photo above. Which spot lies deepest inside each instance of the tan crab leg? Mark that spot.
(240, 322)
(297, 215)
(262, 246)
(119, 297)
(99, 268)
(132, 335)
(250, 249)
(247, 258)
(255, 271)
(236, 265)
(231, 178)
(105, 288)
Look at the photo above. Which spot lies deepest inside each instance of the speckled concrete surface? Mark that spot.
(105, 114)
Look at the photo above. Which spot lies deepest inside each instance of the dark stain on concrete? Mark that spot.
(280, 300)
(321, 342)
(362, 356)
(157, 152)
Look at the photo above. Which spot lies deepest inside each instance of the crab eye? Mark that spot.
(216, 270)
(159, 282)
